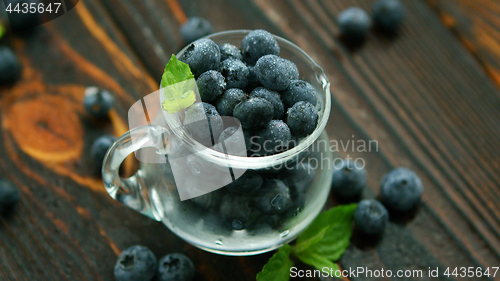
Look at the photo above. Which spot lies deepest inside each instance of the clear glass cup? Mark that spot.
(153, 191)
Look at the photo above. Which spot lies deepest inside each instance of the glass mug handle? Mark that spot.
(132, 191)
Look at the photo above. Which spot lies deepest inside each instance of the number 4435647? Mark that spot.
(471, 271)
(33, 8)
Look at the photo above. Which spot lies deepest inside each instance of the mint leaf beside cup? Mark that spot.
(320, 245)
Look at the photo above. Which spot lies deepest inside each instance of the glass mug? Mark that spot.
(153, 190)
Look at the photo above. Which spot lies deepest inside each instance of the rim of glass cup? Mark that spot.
(243, 162)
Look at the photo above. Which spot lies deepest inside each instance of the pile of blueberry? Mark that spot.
(256, 86)
(354, 23)
(139, 263)
(400, 191)
(276, 110)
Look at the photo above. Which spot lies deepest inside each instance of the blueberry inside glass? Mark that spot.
(280, 98)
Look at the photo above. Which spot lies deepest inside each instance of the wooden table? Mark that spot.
(430, 98)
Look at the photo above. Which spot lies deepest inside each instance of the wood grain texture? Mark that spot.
(421, 95)
(477, 25)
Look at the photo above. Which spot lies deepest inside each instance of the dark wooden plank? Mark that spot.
(66, 226)
(477, 25)
(421, 95)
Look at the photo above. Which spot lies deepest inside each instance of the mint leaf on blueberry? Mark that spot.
(178, 86)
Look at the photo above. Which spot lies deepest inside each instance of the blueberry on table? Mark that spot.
(248, 183)
(195, 28)
(211, 85)
(371, 217)
(99, 149)
(254, 113)
(229, 51)
(23, 21)
(98, 102)
(202, 55)
(230, 98)
(9, 195)
(272, 139)
(388, 15)
(175, 267)
(135, 263)
(273, 197)
(401, 189)
(349, 180)
(354, 23)
(10, 67)
(204, 123)
(302, 119)
(235, 72)
(235, 211)
(299, 90)
(271, 96)
(258, 43)
(274, 73)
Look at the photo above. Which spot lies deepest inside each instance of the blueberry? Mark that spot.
(401, 189)
(10, 67)
(202, 55)
(248, 183)
(273, 197)
(248, 139)
(135, 263)
(229, 51)
(9, 195)
(349, 180)
(99, 149)
(235, 72)
(258, 43)
(208, 200)
(302, 118)
(354, 23)
(371, 217)
(253, 82)
(271, 96)
(175, 267)
(388, 15)
(23, 21)
(272, 139)
(204, 123)
(235, 211)
(254, 113)
(229, 100)
(211, 85)
(98, 102)
(195, 28)
(274, 73)
(299, 90)
(231, 142)
(299, 177)
(293, 69)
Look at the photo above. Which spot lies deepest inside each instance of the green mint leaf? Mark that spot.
(178, 85)
(278, 266)
(327, 237)
(319, 262)
(2, 30)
